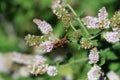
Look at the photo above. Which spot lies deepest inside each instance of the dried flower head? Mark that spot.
(103, 24)
(94, 73)
(43, 26)
(115, 21)
(86, 43)
(93, 56)
(61, 12)
(32, 40)
(112, 37)
(52, 71)
(77, 34)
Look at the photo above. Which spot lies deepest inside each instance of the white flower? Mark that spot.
(94, 73)
(38, 66)
(93, 56)
(46, 46)
(102, 18)
(104, 24)
(101, 22)
(112, 76)
(102, 15)
(52, 71)
(55, 5)
(90, 22)
(43, 26)
(111, 37)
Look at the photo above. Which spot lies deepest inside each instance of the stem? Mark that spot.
(96, 35)
(54, 37)
(77, 18)
(72, 27)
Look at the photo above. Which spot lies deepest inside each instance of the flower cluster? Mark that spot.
(52, 71)
(93, 56)
(60, 11)
(97, 23)
(45, 42)
(95, 73)
(115, 21)
(43, 26)
(35, 64)
(46, 46)
(86, 43)
(112, 37)
(40, 66)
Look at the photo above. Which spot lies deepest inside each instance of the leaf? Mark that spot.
(114, 66)
(95, 42)
(94, 31)
(102, 58)
(109, 54)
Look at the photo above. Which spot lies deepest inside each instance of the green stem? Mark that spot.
(54, 37)
(80, 23)
(96, 35)
(72, 27)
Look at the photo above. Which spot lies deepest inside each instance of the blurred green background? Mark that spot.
(16, 22)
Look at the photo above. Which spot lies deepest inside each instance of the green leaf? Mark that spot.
(102, 58)
(95, 42)
(114, 66)
(94, 31)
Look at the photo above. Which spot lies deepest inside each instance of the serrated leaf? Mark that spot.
(94, 31)
(101, 59)
(95, 42)
(109, 54)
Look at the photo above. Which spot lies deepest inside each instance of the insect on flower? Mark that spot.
(61, 42)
